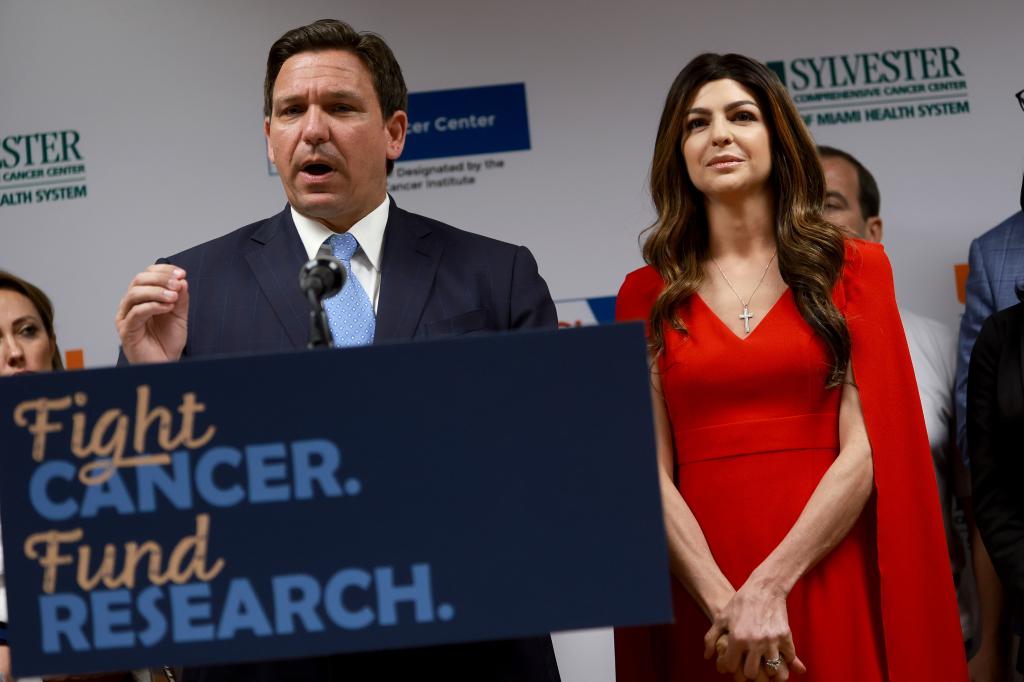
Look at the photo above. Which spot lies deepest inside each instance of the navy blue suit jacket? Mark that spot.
(436, 281)
(995, 422)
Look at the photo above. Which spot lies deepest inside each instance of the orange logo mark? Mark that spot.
(960, 270)
(74, 358)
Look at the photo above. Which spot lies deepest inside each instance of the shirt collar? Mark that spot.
(369, 232)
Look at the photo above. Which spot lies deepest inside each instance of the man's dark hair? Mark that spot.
(332, 34)
(868, 198)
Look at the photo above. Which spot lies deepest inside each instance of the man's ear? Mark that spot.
(396, 127)
(873, 229)
(266, 134)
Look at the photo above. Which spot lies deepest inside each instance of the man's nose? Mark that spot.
(315, 130)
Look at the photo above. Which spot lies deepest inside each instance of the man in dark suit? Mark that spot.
(995, 422)
(335, 122)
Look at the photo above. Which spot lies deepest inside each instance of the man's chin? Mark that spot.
(331, 212)
(319, 204)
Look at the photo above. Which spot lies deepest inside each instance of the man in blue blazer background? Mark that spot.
(996, 268)
(335, 120)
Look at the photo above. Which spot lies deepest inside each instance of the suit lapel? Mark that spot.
(276, 256)
(411, 255)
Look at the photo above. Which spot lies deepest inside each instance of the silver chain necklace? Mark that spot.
(746, 316)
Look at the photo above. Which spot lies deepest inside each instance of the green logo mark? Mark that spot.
(915, 83)
(41, 167)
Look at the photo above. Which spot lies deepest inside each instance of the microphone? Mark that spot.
(320, 278)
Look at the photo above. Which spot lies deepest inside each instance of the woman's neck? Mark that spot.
(741, 227)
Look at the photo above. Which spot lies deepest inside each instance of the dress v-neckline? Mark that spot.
(726, 327)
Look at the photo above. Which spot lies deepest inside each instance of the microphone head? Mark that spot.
(323, 275)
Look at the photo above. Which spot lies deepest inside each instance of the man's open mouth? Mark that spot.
(317, 169)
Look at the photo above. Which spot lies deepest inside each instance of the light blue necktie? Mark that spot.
(349, 312)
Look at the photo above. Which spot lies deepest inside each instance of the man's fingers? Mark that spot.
(159, 275)
(140, 295)
(162, 276)
(181, 307)
(165, 269)
(152, 316)
(142, 313)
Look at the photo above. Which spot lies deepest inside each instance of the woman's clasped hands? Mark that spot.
(751, 636)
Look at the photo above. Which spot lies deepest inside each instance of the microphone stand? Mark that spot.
(319, 279)
(319, 329)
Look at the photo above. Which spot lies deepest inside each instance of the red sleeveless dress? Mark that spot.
(754, 430)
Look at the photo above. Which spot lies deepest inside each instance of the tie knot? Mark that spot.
(343, 246)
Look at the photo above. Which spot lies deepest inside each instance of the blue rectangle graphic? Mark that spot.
(480, 120)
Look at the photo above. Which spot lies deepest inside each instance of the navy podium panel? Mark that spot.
(265, 507)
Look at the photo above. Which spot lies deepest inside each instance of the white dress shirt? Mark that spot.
(369, 232)
(933, 354)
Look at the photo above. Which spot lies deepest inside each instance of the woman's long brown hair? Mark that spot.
(810, 249)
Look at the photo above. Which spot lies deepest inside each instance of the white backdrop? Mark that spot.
(166, 100)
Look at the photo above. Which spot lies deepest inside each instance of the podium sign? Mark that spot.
(266, 507)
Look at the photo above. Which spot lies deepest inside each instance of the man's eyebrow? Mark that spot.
(330, 94)
(832, 194)
(728, 107)
(287, 99)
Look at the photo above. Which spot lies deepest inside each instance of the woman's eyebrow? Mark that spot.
(728, 107)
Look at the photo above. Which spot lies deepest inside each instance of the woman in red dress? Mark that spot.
(799, 499)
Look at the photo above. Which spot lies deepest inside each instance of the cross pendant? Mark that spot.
(746, 316)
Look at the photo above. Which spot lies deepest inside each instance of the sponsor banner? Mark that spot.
(584, 312)
(37, 168)
(873, 87)
(467, 121)
(462, 122)
(170, 513)
(466, 172)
